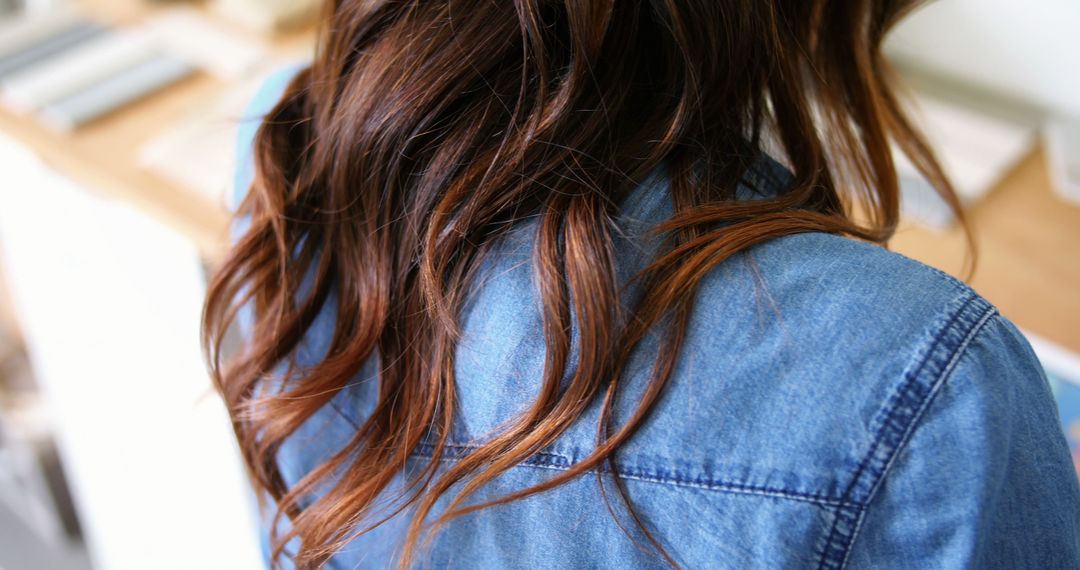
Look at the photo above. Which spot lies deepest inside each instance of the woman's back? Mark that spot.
(520, 286)
(834, 404)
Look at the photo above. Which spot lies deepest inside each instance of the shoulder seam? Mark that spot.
(977, 317)
(900, 416)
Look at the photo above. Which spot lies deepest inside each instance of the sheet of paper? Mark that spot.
(220, 51)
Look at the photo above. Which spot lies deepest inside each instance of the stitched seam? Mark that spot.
(946, 374)
(891, 409)
(341, 413)
(941, 380)
(564, 462)
(549, 460)
(557, 462)
(859, 518)
(827, 559)
(898, 396)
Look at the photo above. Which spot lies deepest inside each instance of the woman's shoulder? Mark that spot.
(930, 405)
(859, 290)
(812, 354)
(811, 323)
(822, 370)
(838, 307)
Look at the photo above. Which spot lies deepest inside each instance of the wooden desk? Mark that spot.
(1027, 237)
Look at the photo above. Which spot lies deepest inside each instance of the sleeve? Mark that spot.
(986, 479)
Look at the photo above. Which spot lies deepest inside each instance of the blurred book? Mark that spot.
(69, 73)
(23, 55)
(71, 70)
(115, 92)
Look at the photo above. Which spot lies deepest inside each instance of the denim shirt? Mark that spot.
(835, 405)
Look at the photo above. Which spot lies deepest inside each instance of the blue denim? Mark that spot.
(835, 405)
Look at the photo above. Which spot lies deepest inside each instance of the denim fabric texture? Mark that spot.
(835, 405)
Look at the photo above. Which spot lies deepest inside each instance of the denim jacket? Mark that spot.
(835, 405)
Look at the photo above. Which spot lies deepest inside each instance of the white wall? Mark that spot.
(109, 303)
(1025, 48)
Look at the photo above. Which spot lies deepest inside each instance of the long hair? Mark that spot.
(425, 129)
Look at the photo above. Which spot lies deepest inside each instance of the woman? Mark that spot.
(554, 284)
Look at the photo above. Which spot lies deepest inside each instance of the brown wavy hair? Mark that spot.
(425, 129)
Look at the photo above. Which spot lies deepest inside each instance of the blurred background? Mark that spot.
(117, 128)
